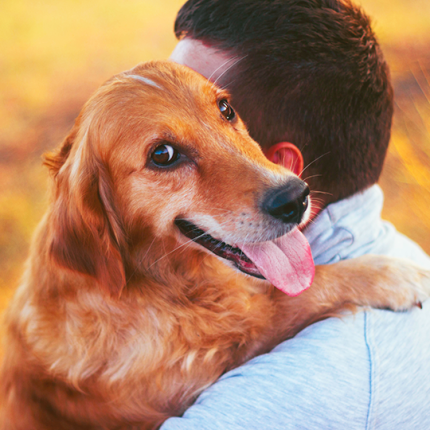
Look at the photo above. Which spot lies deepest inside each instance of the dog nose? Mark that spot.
(289, 202)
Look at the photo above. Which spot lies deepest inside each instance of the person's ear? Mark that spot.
(288, 155)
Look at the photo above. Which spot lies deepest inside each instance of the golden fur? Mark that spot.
(119, 322)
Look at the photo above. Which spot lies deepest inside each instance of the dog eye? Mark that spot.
(164, 155)
(226, 110)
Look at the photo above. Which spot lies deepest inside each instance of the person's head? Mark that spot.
(308, 72)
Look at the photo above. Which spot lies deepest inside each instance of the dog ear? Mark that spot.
(86, 232)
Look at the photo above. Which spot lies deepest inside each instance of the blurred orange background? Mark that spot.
(54, 54)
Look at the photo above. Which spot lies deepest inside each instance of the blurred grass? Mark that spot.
(55, 53)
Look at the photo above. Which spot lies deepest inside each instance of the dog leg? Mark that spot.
(378, 281)
(373, 281)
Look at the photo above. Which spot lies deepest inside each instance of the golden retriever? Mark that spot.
(146, 277)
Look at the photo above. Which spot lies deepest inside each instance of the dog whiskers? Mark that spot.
(291, 167)
(228, 68)
(219, 67)
(310, 177)
(312, 162)
(227, 84)
(143, 258)
(175, 249)
(321, 192)
(316, 199)
(209, 232)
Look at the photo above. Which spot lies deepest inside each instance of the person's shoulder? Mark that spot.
(318, 357)
(316, 371)
(321, 341)
(392, 243)
(322, 378)
(307, 380)
(322, 365)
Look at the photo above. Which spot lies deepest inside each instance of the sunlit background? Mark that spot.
(55, 53)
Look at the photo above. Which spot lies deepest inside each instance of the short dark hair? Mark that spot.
(312, 73)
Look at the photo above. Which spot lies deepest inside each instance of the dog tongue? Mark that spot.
(286, 262)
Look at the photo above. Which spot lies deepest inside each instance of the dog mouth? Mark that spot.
(219, 248)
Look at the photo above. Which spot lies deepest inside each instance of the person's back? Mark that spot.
(369, 370)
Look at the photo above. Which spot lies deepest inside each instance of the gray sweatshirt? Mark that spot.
(367, 371)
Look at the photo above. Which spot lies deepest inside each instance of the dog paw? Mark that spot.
(410, 285)
(384, 282)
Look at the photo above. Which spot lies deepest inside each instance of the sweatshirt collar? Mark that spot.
(347, 228)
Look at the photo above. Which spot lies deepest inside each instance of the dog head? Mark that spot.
(157, 161)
